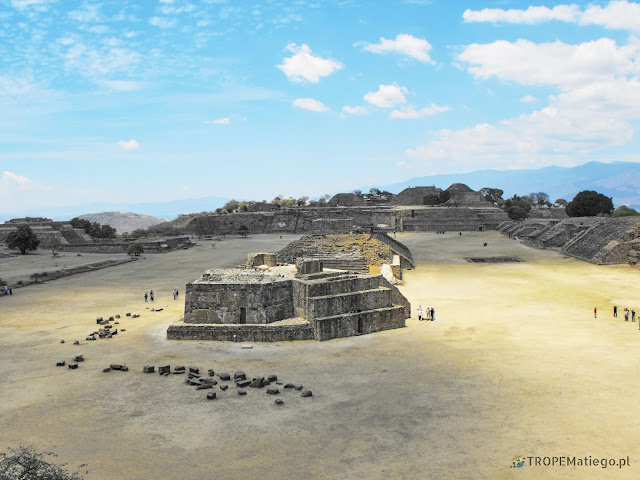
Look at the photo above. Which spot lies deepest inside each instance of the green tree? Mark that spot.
(589, 203)
(493, 195)
(517, 212)
(81, 223)
(444, 196)
(624, 211)
(561, 202)
(23, 239)
(54, 245)
(540, 199)
(24, 463)
(135, 249)
(431, 199)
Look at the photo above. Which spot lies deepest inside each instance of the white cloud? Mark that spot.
(620, 15)
(310, 104)
(30, 3)
(617, 14)
(121, 85)
(219, 121)
(528, 99)
(302, 65)
(130, 145)
(565, 13)
(162, 22)
(95, 63)
(387, 96)
(556, 63)
(404, 44)
(412, 113)
(596, 107)
(357, 110)
(12, 182)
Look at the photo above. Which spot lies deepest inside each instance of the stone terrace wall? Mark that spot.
(241, 333)
(263, 303)
(591, 246)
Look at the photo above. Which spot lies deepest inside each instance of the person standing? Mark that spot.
(595, 312)
(615, 311)
(626, 314)
(151, 295)
(633, 315)
(174, 294)
(10, 290)
(433, 314)
(146, 296)
(420, 313)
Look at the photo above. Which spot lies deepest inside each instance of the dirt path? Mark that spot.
(515, 365)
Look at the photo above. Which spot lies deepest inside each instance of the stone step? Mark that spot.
(352, 324)
(351, 302)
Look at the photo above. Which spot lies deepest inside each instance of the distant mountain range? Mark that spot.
(619, 180)
(123, 221)
(166, 210)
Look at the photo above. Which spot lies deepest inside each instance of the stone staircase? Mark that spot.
(349, 305)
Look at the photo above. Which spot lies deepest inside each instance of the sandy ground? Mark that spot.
(515, 365)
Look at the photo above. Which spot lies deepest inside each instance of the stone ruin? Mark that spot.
(301, 302)
(599, 240)
(69, 239)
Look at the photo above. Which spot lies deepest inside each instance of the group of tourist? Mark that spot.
(149, 296)
(7, 290)
(430, 313)
(627, 313)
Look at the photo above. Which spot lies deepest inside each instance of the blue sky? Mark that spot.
(145, 101)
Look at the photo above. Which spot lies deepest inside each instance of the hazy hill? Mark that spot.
(619, 180)
(123, 221)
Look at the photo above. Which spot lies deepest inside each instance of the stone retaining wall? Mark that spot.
(240, 333)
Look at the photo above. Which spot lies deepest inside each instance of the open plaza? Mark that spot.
(514, 367)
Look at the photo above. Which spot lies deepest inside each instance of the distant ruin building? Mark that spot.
(346, 200)
(598, 240)
(69, 239)
(465, 210)
(301, 302)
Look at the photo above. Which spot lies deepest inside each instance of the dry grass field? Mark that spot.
(514, 366)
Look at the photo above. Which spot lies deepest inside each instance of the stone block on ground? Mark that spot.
(105, 370)
(125, 368)
(61, 341)
(243, 383)
(115, 366)
(224, 387)
(76, 342)
(98, 320)
(306, 393)
(224, 376)
(211, 396)
(289, 385)
(204, 386)
(179, 368)
(194, 370)
(272, 378)
(61, 363)
(239, 374)
(149, 369)
(164, 369)
(273, 391)
(208, 381)
(242, 392)
(211, 372)
(128, 314)
(279, 401)
(78, 358)
(257, 382)
(73, 366)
